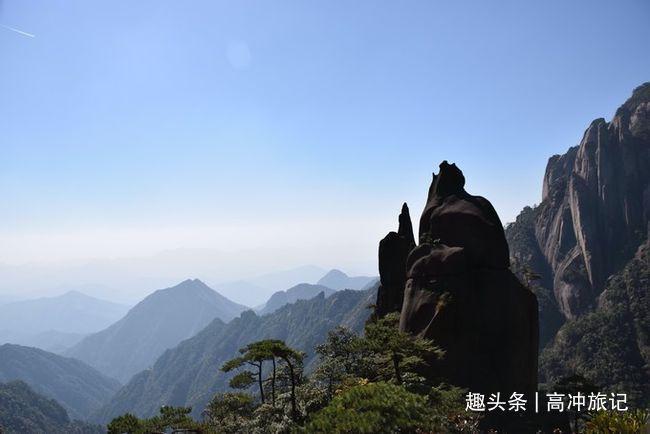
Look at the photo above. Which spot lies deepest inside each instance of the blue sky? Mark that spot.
(129, 128)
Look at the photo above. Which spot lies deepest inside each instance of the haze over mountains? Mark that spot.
(56, 323)
(157, 323)
(302, 291)
(72, 312)
(129, 279)
(256, 290)
(337, 280)
(75, 385)
(22, 410)
(190, 374)
(334, 280)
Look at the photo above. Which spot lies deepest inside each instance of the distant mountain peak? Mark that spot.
(302, 291)
(75, 385)
(186, 287)
(76, 294)
(334, 272)
(159, 322)
(338, 280)
(193, 283)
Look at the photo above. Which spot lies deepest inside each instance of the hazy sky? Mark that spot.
(132, 127)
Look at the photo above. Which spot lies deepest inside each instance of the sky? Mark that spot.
(289, 130)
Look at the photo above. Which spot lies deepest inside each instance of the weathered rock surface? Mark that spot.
(595, 206)
(393, 251)
(610, 345)
(459, 291)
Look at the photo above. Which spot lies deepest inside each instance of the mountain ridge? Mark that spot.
(302, 291)
(71, 312)
(160, 321)
(584, 252)
(338, 280)
(22, 410)
(78, 387)
(190, 375)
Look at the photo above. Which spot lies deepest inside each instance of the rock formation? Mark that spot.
(393, 250)
(456, 288)
(595, 207)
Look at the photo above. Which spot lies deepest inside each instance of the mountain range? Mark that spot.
(584, 252)
(160, 321)
(80, 389)
(24, 411)
(334, 280)
(302, 291)
(72, 312)
(337, 280)
(269, 284)
(189, 374)
(56, 323)
(52, 340)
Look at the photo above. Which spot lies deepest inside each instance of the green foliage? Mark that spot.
(370, 383)
(127, 423)
(169, 418)
(342, 356)
(24, 411)
(230, 412)
(614, 422)
(373, 408)
(610, 346)
(395, 353)
(191, 371)
(242, 380)
(255, 354)
(80, 389)
(448, 413)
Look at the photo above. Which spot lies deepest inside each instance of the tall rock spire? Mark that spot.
(393, 250)
(405, 229)
(456, 288)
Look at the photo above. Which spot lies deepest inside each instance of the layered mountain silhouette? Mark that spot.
(302, 291)
(583, 250)
(189, 374)
(336, 279)
(160, 321)
(55, 323)
(53, 341)
(80, 389)
(24, 411)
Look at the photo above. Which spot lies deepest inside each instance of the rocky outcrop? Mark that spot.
(393, 251)
(458, 291)
(610, 346)
(596, 205)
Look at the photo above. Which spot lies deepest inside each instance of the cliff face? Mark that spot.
(456, 288)
(610, 345)
(595, 205)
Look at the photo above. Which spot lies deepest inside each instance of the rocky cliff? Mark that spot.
(586, 246)
(456, 288)
(610, 346)
(595, 208)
